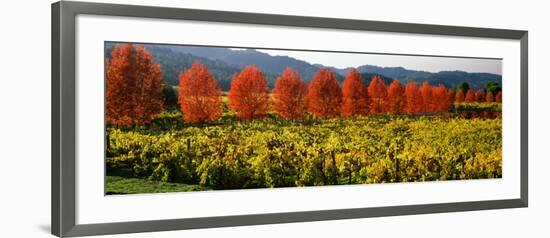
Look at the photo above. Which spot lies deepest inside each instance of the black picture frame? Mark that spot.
(64, 107)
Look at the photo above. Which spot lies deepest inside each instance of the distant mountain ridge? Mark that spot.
(223, 63)
(240, 58)
(393, 72)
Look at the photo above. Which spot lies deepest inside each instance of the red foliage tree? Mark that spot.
(249, 95)
(489, 97)
(378, 95)
(427, 97)
(480, 96)
(324, 94)
(498, 97)
(199, 96)
(451, 94)
(290, 95)
(355, 98)
(441, 98)
(459, 97)
(396, 97)
(470, 96)
(134, 86)
(413, 98)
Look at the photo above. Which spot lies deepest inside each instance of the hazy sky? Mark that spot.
(425, 63)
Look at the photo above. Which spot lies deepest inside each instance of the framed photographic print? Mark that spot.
(167, 119)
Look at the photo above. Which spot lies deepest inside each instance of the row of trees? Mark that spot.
(134, 93)
(293, 99)
(478, 96)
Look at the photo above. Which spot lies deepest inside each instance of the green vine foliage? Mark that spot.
(271, 152)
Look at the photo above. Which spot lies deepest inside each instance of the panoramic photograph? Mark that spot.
(184, 118)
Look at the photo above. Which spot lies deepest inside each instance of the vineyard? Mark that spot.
(297, 134)
(276, 153)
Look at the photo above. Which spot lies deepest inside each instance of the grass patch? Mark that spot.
(121, 185)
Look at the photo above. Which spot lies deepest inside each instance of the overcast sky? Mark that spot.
(425, 63)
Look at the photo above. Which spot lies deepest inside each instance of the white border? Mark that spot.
(93, 207)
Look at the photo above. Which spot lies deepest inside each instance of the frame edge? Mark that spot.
(63, 118)
(279, 218)
(524, 97)
(55, 120)
(287, 20)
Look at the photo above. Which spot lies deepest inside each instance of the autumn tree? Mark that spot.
(470, 96)
(459, 97)
(413, 98)
(427, 97)
(199, 96)
(480, 96)
(134, 86)
(249, 95)
(498, 97)
(290, 95)
(451, 94)
(396, 97)
(489, 97)
(378, 95)
(355, 98)
(324, 94)
(442, 98)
